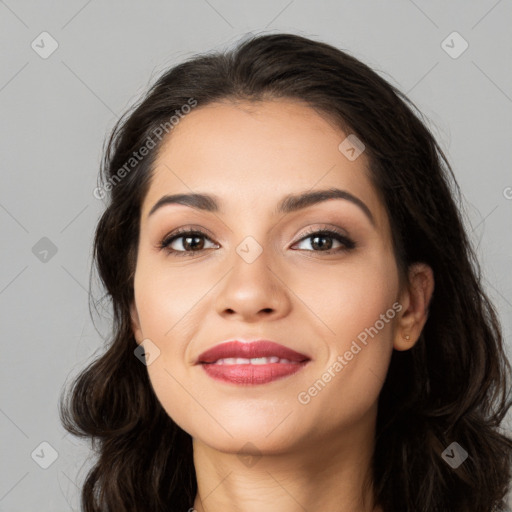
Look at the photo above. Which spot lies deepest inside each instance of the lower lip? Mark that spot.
(251, 373)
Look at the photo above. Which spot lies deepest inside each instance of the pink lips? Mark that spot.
(251, 373)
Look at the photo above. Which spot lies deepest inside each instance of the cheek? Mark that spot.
(166, 298)
(355, 309)
(164, 304)
(349, 297)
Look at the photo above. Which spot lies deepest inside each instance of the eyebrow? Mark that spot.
(289, 204)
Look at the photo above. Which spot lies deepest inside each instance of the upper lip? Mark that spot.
(249, 350)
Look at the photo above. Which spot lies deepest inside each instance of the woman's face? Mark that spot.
(261, 273)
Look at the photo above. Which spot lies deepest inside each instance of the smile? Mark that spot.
(259, 370)
(254, 360)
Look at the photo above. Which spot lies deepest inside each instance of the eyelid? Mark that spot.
(310, 230)
(324, 227)
(328, 230)
(183, 230)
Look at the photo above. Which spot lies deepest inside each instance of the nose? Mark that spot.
(253, 290)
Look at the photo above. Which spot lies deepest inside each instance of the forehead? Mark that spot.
(251, 155)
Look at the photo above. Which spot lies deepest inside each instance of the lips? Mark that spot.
(250, 350)
(249, 363)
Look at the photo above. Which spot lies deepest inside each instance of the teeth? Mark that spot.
(254, 360)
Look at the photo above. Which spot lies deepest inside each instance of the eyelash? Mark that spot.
(329, 233)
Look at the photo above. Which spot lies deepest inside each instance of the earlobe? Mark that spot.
(404, 342)
(418, 295)
(137, 332)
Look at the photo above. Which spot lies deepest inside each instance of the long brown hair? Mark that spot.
(450, 387)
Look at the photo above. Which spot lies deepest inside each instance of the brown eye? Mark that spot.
(318, 243)
(190, 240)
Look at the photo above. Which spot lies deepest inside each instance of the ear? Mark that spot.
(415, 300)
(137, 331)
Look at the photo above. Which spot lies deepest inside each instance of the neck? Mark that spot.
(328, 474)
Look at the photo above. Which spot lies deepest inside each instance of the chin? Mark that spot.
(267, 435)
(250, 441)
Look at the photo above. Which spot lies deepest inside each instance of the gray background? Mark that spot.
(56, 112)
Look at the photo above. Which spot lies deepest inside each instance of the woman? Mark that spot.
(283, 241)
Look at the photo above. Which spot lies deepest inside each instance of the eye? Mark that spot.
(318, 238)
(190, 241)
(193, 240)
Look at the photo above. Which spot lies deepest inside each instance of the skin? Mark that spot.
(313, 456)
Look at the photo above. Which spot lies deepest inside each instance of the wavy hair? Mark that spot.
(451, 386)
